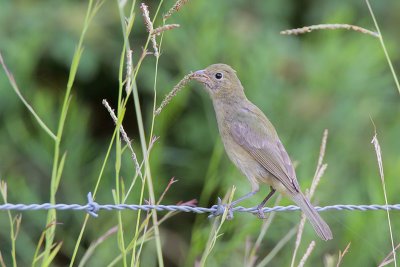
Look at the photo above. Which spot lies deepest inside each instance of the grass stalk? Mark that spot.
(277, 248)
(139, 118)
(251, 259)
(307, 254)
(89, 252)
(384, 47)
(14, 85)
(375, 139)
(159, 252)
(214, 233)
(211, 182)
(57, 163)
(319, 172)
(342, 254)
(377, 147)
(79, 239)
(14, 224)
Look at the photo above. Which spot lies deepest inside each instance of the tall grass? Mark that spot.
(58, 162)
(14, 225)
(375, 138)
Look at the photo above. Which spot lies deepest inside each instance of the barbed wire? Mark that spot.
(93, 207)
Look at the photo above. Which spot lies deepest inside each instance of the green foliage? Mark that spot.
(327, 79)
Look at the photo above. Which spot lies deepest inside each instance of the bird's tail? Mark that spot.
(320, 226)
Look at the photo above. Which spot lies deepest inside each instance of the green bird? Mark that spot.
(252, 144)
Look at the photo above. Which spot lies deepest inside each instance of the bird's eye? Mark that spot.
(218, 75)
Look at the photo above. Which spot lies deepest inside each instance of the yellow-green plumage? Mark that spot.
(252, 143)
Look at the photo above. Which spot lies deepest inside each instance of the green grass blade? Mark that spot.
(384, 47)
(21, 97)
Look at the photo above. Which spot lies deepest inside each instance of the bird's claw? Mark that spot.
(260, 213)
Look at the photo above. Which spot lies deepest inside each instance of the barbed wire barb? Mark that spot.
(92, 207)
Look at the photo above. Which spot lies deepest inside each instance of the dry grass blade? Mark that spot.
(250, 260)
(173, 93)
(171, 182)
(319, 172)
(215, 231)
(298, 237)
(277, 248)
(377, 147)
(322, 150)
(341, 254)
(175, 8)
(311, 28)
(95, 244)
(164, 28)
(307, 254)
(389, 258)
(317, 177)
(2, 263)
(192, 202)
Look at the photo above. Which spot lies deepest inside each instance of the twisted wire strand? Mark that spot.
(93, 208)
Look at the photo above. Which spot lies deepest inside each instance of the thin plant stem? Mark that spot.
(319, 172)
(210, 183)
(14, 85)
(342, 254)
(14, 224)
(384, 47)
(79, 239)
(377, 147)
(336, 26)
(214, 233)
(57, 162)
(307, 254)
(148, 152)
(389, 258)
(142, 135)
(277, 248)
(253, 251)
(146, 157)
(89, 252)
(120, 235)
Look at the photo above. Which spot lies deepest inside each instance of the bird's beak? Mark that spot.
(199, 72)
(200, 76)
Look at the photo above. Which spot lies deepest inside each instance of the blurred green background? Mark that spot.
(335, 80)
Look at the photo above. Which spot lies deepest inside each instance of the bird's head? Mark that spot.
(220, 80)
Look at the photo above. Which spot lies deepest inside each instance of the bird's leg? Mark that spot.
(234, 203)
(262, 204)
(220, 210)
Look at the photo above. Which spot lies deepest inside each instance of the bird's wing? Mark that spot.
(258, 137)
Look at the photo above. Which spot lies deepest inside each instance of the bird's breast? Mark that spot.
(240, 157)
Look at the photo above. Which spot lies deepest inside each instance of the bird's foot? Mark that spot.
(220, 209)
(260, 213)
